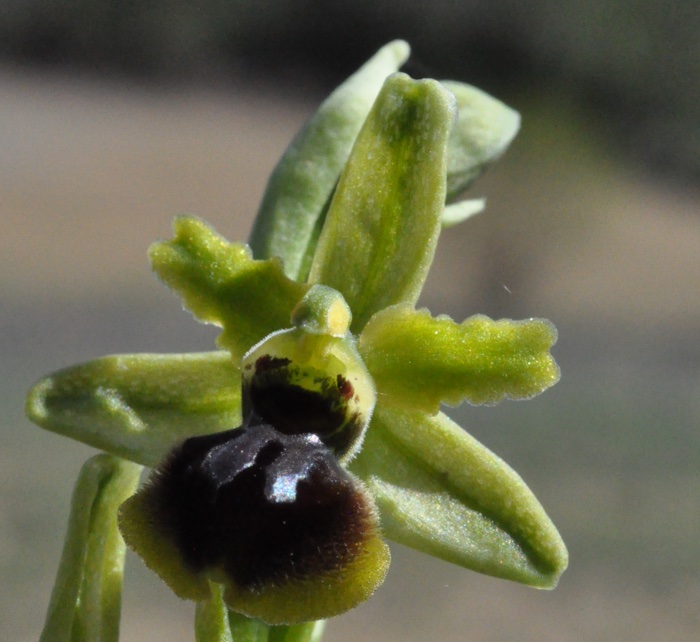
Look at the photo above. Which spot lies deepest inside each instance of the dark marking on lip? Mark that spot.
(268, 362)
(294, 410)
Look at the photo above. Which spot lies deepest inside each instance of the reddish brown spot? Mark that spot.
(345, 388)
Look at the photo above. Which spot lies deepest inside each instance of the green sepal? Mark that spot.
(303, 181)
(139, 406)
(383, 224)
(86, 599)
(419, 361)
(220, 283)
(440, 491)
(484, 129)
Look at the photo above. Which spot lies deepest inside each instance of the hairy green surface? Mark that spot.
(440, 491)
(421, 361)
(220, 283)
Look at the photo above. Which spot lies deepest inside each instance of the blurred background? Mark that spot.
(115, 117)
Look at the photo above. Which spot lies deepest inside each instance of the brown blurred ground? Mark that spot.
(91, 173)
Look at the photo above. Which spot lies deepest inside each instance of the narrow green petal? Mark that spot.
(485, 127)
(86, 599)
(383, 223)
(139, 406)
(303, 181)
(220, 283)
(420, 361)
(440, 491)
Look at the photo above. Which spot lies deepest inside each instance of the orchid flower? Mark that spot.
(284, 459)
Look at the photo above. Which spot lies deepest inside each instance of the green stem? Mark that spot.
(211, 623)
(246, 629)
(307, 632)
(86, 599)
(215, 623)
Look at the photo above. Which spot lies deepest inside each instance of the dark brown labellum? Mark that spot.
(264, 507)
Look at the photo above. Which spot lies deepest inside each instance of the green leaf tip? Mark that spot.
(221, 283)
(419, 361)
(383, 223)
(440, 491)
